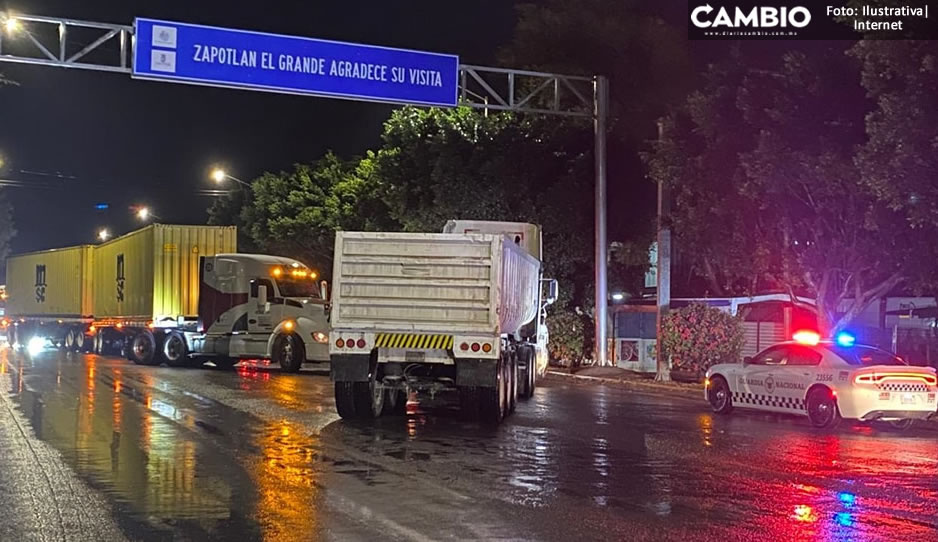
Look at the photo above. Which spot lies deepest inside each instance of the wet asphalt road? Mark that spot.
(97, 448)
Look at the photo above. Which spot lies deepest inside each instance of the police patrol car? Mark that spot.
(825, 381)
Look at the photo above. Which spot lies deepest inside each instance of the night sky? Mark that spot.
(103, 138)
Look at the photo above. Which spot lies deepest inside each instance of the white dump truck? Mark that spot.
(428, 312)
(170, 294)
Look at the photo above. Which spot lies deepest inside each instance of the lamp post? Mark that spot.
(219, 176)
(103, 234)
(144, 214)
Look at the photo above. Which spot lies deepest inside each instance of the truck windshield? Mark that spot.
(298, 287)
(866, 355)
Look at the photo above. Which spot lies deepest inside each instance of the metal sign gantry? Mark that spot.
(109, 47)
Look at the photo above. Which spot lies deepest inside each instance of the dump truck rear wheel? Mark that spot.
(526, 372)
(369, 399)
(469, 402)
(512, 384)
(345, 399)
(492, 407)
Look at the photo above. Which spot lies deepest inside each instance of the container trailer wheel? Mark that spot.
(143, 348)
(175, 353)
(69, 341)
(80, 342)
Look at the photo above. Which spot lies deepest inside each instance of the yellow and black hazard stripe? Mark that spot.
(414, 340)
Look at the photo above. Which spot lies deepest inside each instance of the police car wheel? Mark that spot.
(822, 409)
(720, 396)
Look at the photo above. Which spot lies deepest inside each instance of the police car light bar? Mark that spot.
(845, 339)
(807, 337)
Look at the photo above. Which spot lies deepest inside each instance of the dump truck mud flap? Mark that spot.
(350, 367)
(476, 372)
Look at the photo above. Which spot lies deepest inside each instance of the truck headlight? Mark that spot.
(320, 337)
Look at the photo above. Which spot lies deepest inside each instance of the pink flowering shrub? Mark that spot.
(698, 336)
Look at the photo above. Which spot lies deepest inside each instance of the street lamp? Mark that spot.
(11, 25)
(144, 213)
(219, 175)
(104, 235)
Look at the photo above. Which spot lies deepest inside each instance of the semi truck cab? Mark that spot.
(255, 305)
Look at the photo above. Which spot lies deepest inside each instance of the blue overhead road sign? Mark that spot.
(207, 55)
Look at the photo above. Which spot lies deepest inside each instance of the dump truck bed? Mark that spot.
(453, 283)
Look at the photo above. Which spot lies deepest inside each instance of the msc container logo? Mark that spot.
(40, 284)
(120, 278)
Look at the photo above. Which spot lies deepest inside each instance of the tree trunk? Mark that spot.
(712, 278)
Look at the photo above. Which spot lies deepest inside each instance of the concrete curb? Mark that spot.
(642, 384)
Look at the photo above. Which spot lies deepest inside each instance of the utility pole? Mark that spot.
(664, 270)
(600, 113)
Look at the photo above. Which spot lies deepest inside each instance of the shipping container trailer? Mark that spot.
(172, 294)
(427, 312)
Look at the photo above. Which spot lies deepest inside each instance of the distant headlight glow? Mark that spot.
(35, 345)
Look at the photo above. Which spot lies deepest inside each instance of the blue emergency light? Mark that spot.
(845, 339)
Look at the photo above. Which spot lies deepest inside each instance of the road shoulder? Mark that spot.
(41, 498)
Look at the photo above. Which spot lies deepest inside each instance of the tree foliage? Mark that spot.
(296, 213)
(7, 229)
(645, 59)
(899, 162)
(769, 192)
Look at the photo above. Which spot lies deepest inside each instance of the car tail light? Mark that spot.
(876, 378)
(360, 343)
(475, 347)
(339, 343)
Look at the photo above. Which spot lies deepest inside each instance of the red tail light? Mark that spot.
(876, 378)
(475, 347)
(360, 343)
(464, 347)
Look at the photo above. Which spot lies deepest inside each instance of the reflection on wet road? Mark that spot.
(212, 455)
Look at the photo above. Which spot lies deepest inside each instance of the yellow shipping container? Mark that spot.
(153, 273)
(51, 283)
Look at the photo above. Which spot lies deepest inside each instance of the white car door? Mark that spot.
(755, 383)
(791, 380)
